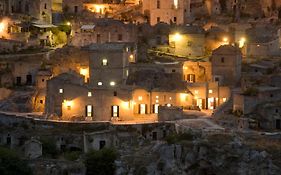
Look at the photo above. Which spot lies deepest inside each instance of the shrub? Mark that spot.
(73, 155)
(175, 138)
(101, 162)
(49, 148)
(11, 164)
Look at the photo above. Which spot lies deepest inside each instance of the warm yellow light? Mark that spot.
(2, 27)
(176, 3)
(183, 96)
(169, 105)
(68, 103)
(242, 42)
(140, 98)
(84, 71)
(225, 39)
(68, 23)
(126, 104)
(177, 37)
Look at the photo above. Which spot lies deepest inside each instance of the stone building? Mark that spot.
(102, 31)
(262, 41)
(188, 41)
(226, 65)
(197, 71)
(38, 9)
(109, 63)
(71, 99)
(167, 11)
(32, 149)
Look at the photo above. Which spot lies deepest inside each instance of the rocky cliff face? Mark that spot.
(218, 156)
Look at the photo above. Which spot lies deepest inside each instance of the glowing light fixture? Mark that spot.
(112, 83)
(177, 37)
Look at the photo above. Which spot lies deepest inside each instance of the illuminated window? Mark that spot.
(115, 111)
(196, 92)
(155, 108)
(140, 98)
(89, 111)
(142, 108)
(112, 83)
(157, 97)
(127, 73)
(210, 91)
(157, 101)
(224, 99)
(131, 58)
(60, 91)
(169, 105)
(104, 62)
(99, 83)
(170, 98)
(89, 94)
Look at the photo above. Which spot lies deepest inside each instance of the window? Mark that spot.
(89, 111)
(60, 91)
(45, 6)
(222, 59)
(173, 70)
(75, 9)
(170, 98)
(278, 124)
(271, 95)
(102, 144)
(120, 37)
(114, 93)
(158, 4)
(191, 78)
(276, 111)
(155, 108)
(140, 98)
(175, 19)
(115, 111)
(127, 73)
(196, 92)
(43, 80)
(142, 109)
(158, 19)
(224, 99)
(210, 91)
(169, 105)
(104, 62)
(41, 101)
(89, 94)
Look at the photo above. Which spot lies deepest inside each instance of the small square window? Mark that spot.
(89, 94)
(60, 91)
(104, 62)
(196, 92)
(210, 91)
(99, 83)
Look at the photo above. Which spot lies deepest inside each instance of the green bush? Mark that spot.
(74, 155)
(11, 164)
(49, 148)
(176, 138)
(101, 162)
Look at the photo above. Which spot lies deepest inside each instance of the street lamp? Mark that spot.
(177, 37)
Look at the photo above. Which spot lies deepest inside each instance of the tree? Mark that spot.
(11, 164)
(101, 162)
